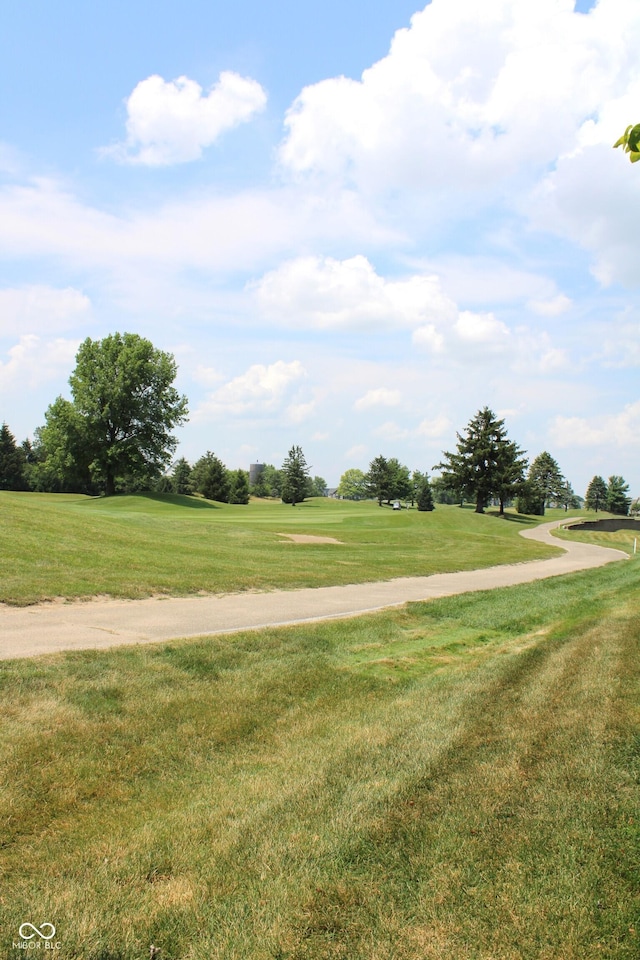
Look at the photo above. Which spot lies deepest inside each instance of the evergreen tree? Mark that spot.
(485, 463)
(399, 480)
(181, 477)
(596, 496)
(618, 499)
(424, 495)
(210, 478)
(239, 486)
(12, 462)
(295, 477)
(544, 485)
(378, 480)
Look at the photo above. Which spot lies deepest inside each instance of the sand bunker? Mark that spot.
(307, 538)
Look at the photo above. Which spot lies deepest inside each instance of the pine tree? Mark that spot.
(239, 486)
(617, 496)
(545, 482)
(181, 476)
(596, 495)
(378, 480)
(486, 463)
(295, 473)
(424, 495)
(12, 462)
(210, 477)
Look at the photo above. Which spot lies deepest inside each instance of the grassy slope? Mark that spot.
(455, 780)
(134, 546)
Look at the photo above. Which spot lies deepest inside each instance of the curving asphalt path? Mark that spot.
(99, 624)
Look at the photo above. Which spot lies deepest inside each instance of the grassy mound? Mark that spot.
(136, 546)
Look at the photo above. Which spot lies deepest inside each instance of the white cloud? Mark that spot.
(221, 232)
(550, 308)
(481, 328)
(478, 280)
(470, 330)
(328, 294)
(380, 397)
(299, 412)
(429, 337)
(34, 361)
(619, 430)
(355, 453)
(434, 428)
(391, 431)
(463, 96)
(173, 121)
(206, 376)
(261, 390)
(41, 309)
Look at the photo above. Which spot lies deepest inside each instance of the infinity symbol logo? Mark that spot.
(40, 932)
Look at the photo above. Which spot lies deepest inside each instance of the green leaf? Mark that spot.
(633, 139)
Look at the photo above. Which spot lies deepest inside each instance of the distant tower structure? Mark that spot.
(255, 469)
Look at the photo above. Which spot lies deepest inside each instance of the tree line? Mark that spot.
(486, 465)
(485, 468)
(115, 435)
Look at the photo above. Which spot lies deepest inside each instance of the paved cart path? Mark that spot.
(99, 624)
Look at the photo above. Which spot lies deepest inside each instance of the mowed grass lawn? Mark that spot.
(456, 780)
(136, 546)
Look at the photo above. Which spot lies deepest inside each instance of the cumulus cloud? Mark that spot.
(329, 294)
(620, 429)
(33, 361)
(173, 121)
(41, 309)
(381, 397)
(481, 328)
(462, 96)
(261, 390)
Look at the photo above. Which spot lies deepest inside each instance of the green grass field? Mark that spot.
(455, 780)
(136, 546)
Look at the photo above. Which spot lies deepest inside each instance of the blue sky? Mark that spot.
(353, 224)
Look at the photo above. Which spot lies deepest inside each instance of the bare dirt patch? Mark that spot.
(308, 538)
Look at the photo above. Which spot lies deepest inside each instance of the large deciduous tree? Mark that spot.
(486, 463)
(295, 477)
(353, 485)
(123, 410)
